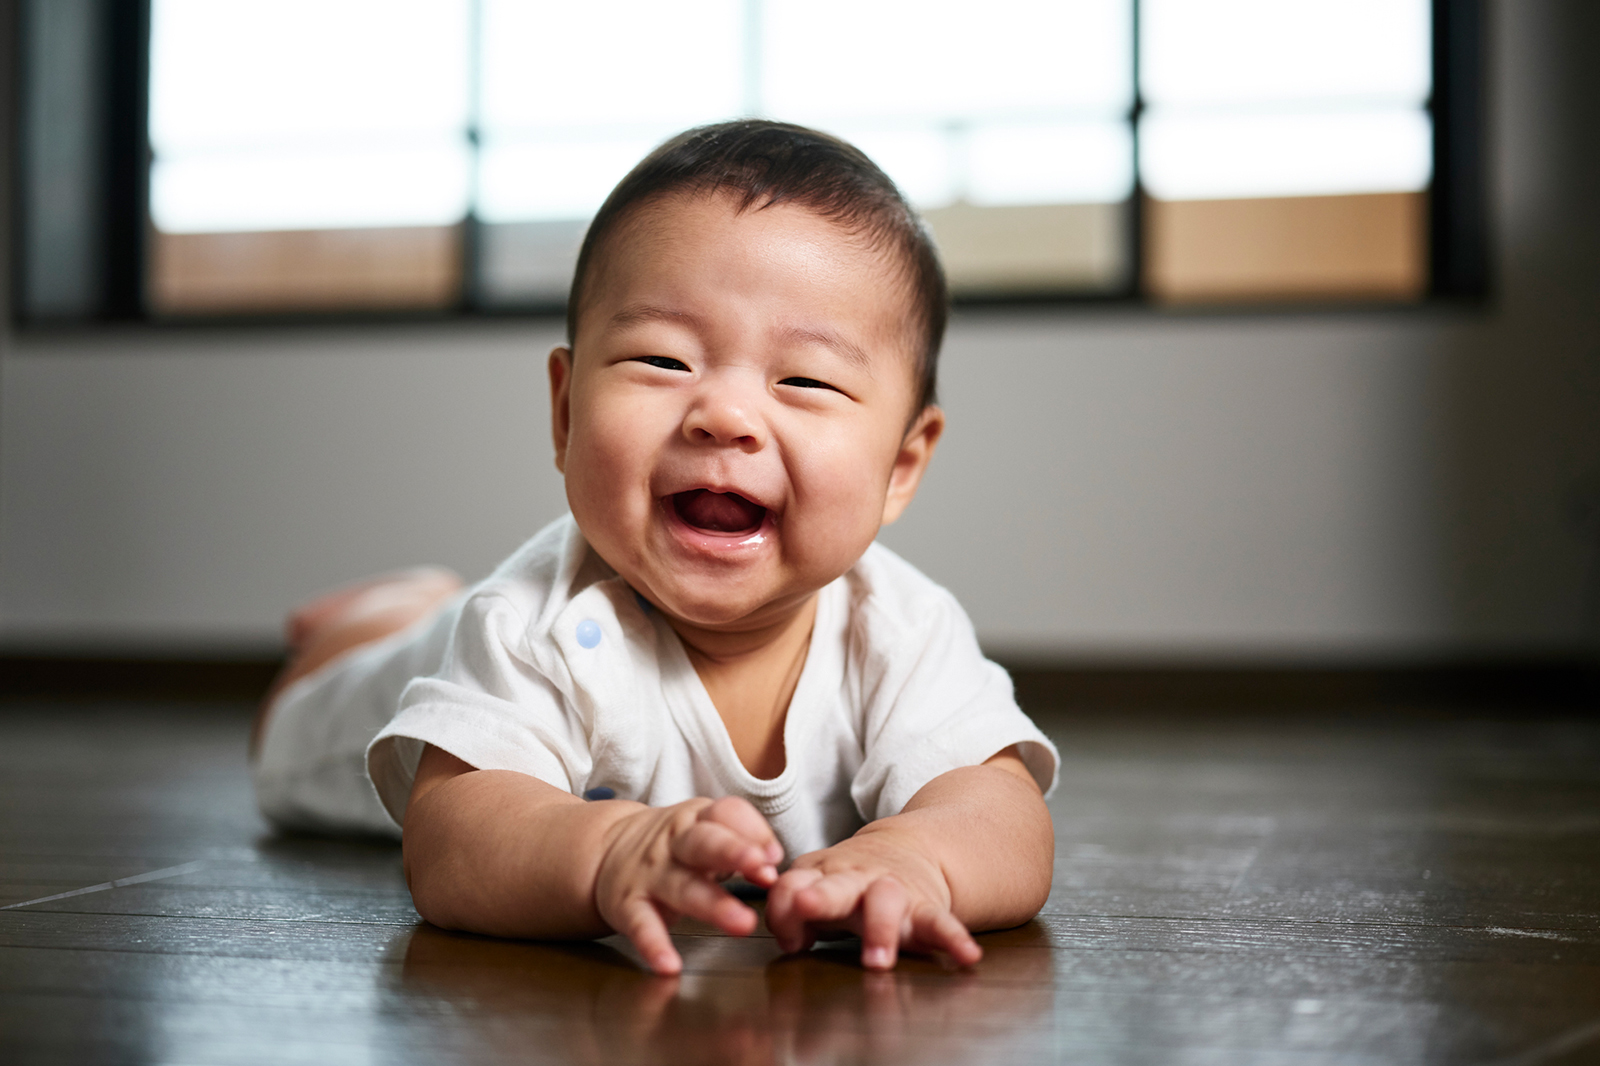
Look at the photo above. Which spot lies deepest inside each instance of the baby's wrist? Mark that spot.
(616, 818)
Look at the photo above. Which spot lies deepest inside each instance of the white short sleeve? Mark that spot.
(932, 702)
(488, 705)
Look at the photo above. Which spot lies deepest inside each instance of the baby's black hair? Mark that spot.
(764, 163)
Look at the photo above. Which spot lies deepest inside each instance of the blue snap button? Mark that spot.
(588, 633)
(600, 793)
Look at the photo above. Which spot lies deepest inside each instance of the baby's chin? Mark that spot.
(727, 610)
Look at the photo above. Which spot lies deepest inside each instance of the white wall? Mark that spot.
(1115, 483)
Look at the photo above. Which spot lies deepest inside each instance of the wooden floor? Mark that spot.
(1313, 888)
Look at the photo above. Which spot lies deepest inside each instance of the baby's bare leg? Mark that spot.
(351, 616)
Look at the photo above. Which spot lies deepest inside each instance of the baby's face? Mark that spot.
(733, 426)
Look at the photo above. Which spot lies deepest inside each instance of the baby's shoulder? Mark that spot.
(910, 648)
(537, 579)
(892, 603)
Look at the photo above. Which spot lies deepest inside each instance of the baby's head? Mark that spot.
(747, 391)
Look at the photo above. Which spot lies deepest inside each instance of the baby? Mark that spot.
(708, 669)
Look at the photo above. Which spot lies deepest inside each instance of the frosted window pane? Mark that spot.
(617, 62)
(419, 185)
(1199, 53)
(920, 161)
(1084, 162)
(830, 61)
(243, 73)
(549, 180)
(308, 113)
(1195, 157)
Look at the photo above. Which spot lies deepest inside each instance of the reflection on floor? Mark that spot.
(1382, 887)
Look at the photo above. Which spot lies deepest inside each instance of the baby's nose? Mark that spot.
(724, 414)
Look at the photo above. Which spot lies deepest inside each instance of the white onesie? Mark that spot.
(554, 667)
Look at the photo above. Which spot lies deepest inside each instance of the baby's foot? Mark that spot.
(351, 616)
(425, 585)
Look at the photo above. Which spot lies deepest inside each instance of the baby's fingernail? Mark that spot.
(875, 958)
(774, 852)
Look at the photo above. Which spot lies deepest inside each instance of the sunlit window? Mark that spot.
(1286, 146)
(263, 116)
(404, 118)
(392, 154)
(572, 96)
(1007, 123)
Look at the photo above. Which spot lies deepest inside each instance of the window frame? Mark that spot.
(1458, 244)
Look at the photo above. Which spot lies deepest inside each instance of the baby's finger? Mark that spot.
(833, 898)
(641, 923)
(883, 919)
(714, 848)
(739, 815)
(934, 929)
(784, 919)
(688, 893)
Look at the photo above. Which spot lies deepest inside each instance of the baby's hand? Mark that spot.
(876, 886)
(662, 862)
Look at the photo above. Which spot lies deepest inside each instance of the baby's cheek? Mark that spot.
(841, 515)
(586, 472)
(848, 475)
(597, 477)
(604, 456)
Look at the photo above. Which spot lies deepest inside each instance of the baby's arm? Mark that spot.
(972, 850)
(503, 853)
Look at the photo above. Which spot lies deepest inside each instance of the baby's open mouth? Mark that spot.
(718, 512)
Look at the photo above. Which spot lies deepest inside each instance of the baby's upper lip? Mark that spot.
(757, 498)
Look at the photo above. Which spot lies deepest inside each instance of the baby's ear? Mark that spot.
(560, 402)
(916, 450)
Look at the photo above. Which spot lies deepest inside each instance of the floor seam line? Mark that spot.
(104, 886)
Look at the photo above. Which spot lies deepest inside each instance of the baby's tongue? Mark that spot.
(719, 512)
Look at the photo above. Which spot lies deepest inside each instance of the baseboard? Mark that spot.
(1534, 683)
(94, 677)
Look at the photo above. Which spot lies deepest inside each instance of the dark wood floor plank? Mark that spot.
(1289, 889)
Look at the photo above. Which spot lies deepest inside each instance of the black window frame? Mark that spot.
(1458, 238)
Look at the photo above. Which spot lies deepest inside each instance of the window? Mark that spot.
(380, 155)
(1286, 148)
(307, 154)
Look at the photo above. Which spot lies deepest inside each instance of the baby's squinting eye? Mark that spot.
(807, 383)
(665, 362)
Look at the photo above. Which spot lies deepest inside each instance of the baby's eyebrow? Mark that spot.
(651, 313)
(829, 339)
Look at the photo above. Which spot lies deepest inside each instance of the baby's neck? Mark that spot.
(750, 676)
